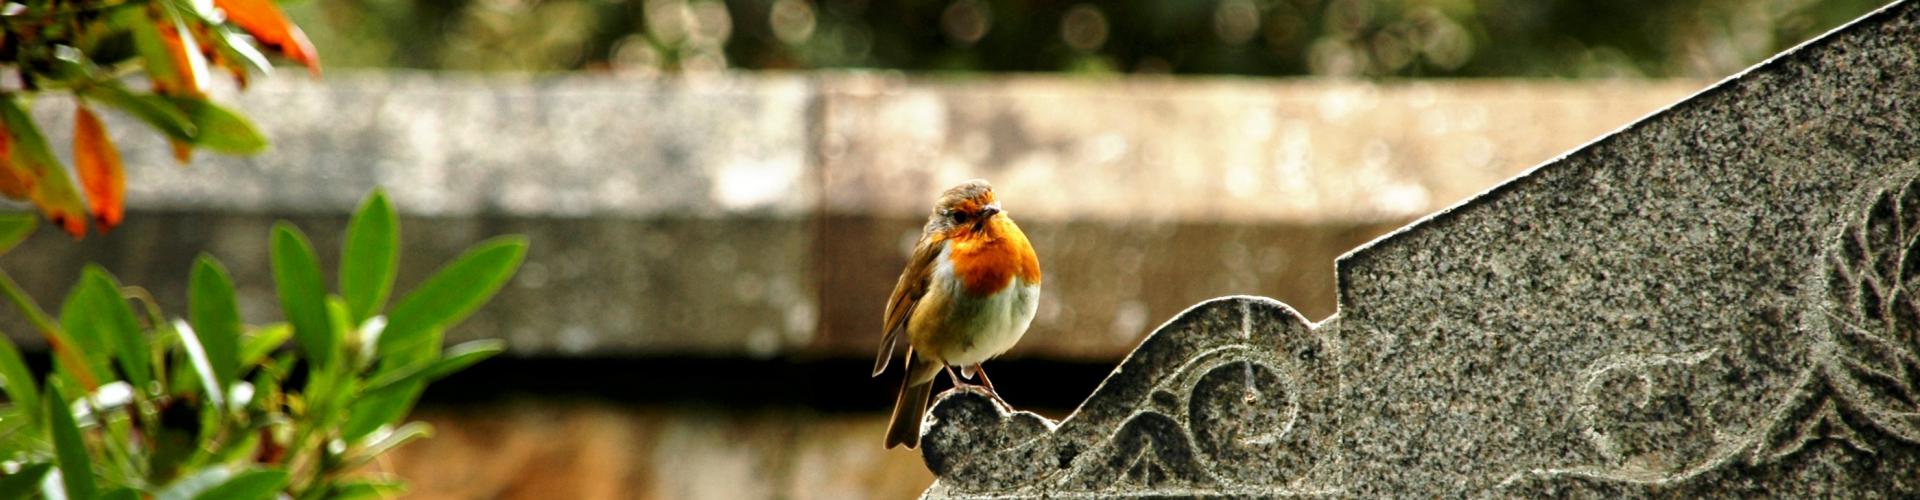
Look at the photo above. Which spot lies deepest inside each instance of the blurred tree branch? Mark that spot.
(89, 50)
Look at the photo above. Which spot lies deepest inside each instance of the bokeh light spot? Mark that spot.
(1084, 27)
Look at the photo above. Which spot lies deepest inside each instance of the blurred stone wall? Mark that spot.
(769, 215)
(766, 217)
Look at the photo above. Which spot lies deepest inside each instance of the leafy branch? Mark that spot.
(140, 405)
(88, 49)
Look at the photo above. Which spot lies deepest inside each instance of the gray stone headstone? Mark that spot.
(1711, 302)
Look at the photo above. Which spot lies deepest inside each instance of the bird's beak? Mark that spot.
(986, 214)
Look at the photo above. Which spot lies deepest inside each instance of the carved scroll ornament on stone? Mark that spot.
(1230, 397)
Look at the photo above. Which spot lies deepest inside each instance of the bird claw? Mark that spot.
(986, 384)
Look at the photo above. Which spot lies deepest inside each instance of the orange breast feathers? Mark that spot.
(986, 260)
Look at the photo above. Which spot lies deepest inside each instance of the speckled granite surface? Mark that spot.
(1710, 302)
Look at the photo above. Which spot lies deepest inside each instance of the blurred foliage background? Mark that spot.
(1366, 38)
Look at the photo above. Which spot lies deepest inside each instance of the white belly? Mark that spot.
(1000, 321)
(973, 330)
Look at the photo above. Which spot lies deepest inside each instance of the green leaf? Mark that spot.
(235, 45)
(380, 443)
(152, 49)
(303, 296)
(259, 484)
(262, 342)
(194, 484)
(342, 324)
(277, 369)
(83, 346)
(124, 493)
(391, 376)
(86, 342)
(216, 318)
(376, 408)
(448, 296)
(196, 12)
(20, 433)
(458, 358)
(67, 67)
(221, 129)
(14, 228)
(92, 318)
(69, 450)
(200, 367)
(245, 446)
(367, 488)
(370, 258)
(105, 317)
(17, 381)
(24, 482)
(329, 394)
(464, 355)
(155, 110)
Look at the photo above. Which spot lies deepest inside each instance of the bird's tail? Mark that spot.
(911, 406)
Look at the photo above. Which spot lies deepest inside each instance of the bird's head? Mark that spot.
(966, 207)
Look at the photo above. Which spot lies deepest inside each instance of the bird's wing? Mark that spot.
(906, 295)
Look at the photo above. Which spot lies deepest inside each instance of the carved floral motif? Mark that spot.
(1866, 368)
(1859, 390)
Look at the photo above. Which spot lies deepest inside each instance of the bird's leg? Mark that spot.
(985, 383)
(955, 378)
(967, 372)
(988, 383)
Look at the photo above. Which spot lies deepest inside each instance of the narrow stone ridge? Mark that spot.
(1711, 301)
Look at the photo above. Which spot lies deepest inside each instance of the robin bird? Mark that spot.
(968, 293)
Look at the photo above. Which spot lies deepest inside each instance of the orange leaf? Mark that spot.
(28, 152)
(15, 181)
(19, 181)
(98, 163)
(210, 49)
(74, 224)
(182, 152)
(186, 56)
(263, 20)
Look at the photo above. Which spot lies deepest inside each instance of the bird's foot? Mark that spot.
(986, 385)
